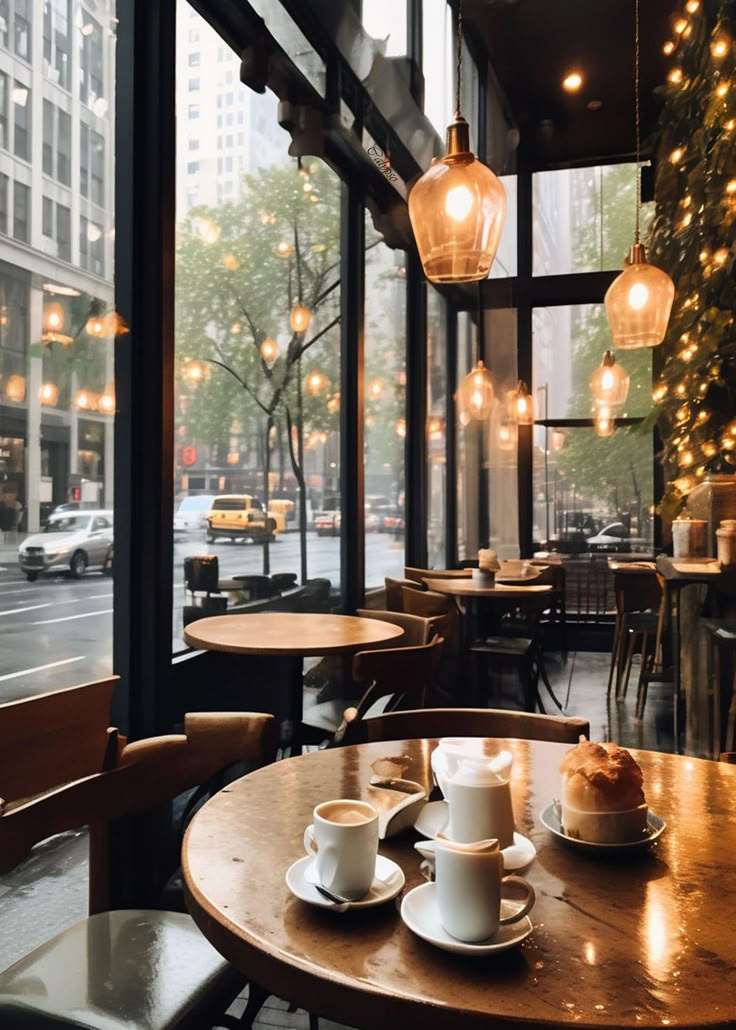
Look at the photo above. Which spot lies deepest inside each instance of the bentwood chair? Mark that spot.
(401, 674)
(468, 722)
(417, 630)
(62, 767)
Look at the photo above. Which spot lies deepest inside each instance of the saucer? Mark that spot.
(419, 912)
(302, 875)
(550, 818)
(433, 819)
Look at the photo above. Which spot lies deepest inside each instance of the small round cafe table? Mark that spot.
(646, 939)
(292, 636)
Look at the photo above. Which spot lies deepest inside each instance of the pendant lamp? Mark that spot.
(609, 384)
(520, 405)
(604, 422)
(475, 393)
(457, 208)
(639, 301)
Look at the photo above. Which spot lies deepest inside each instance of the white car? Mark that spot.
(615, 537)
(191, 515)
(73, 541)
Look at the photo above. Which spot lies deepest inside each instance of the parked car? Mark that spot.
(242, 515)
(615, 537)
(72, 541)
(191, 515)
(393, 521)
(327, 523)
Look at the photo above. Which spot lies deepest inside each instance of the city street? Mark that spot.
(57, 631)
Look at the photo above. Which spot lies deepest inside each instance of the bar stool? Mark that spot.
(721, 636)
(638, 603)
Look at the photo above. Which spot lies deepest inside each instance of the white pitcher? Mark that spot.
(477, 789)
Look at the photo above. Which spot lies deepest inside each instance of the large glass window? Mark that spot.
(385, 21)
(57, 330)
(583, 218)
(385, 408)
(438, 63)
(257, 337)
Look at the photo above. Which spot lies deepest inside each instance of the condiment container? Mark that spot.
(726, 541)
(689, 538)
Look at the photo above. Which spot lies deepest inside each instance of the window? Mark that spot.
(64, 149)
(193, 168)
(64, 232)
(385, 22)
(47, 217)
(193, 111)
(438, 63)
(97, 165)
(47, 162)
(83, 243)
(22, 23)
(4, 181)
(583, 218)
(56, 42)
(4, 22)
(385, 408)
(4, 138)
(194, 60)
(436, 428)
(21, 212)
(194, 144)
(22, 120)
(90, 65)
(193, 85)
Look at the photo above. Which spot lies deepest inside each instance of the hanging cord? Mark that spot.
(480, 350)
(459, 77)
(636, 96)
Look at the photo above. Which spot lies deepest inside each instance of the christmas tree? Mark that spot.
(694, 240)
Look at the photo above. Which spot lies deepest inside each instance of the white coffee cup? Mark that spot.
(344, 841)
(469, 887)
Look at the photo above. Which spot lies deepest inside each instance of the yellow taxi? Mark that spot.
(242, 515)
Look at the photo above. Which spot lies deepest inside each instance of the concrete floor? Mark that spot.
(48, 892)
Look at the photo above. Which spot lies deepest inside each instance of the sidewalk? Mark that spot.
(9, 541)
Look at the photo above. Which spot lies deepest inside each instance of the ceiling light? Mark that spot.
(572, 82)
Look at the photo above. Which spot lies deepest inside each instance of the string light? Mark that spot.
(669, 47)
(675, 76)
(721, 256)
(676, 156)
(680, 26)
(722, 89)
(719, 48)
(692, 6)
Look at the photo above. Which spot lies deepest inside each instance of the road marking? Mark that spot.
(41, 668)
(30, 608)
(68, 618)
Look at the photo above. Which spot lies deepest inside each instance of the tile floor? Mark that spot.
(48, 892)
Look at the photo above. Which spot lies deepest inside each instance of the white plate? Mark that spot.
(550, 818)
(302, 875)
(434, 817)
(419, 912)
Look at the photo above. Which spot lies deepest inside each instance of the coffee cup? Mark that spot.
(343, 838)
(470, 886)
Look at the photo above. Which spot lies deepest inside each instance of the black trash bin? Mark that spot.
(201, 572)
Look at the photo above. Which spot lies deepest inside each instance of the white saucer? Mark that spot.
(302, 875)
(419, 912)
(433, 819)
(550, 818)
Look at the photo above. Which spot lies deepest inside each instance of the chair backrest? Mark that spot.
(432, 605)
(636, 591)
(402, 674)
(550, 575)
(78, 793)
(394, 591)
(468, 722)
(417, 630)
(419, 575)
(55, 738)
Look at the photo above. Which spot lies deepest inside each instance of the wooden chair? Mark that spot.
(638, 601)
(394, 591)
(468, 722)
(402, 674)
(419, 575)
(417, 630)
(62, 767)
(554, 616)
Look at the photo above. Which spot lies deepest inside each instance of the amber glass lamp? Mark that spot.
(457, 208)
(609, 384)
(639, 301)
(604, 422)
(520, 405)
(475, 395)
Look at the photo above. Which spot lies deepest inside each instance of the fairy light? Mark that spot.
(659, 393)
(703, 416)
(669, 47)
(728, 443)
(284, 249)
(681, 390)
(709, 449)
(731, 186)
(677, 155)
(686, 459)
(721, 256)
(680, 26)
(719, 48)
(692, 6)
(682, 413)
(703, 256)
(730, 125)
(675, 76)
(722, 89)
(687, 219)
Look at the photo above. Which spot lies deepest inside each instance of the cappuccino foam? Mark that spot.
(345, 813)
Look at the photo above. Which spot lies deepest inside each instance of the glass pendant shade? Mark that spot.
(507, 435)
(520, 405)
(15, 388)
(609, 384)
(638, 303)
(457, 211)
(475, 395)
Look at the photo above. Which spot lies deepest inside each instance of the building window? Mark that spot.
(83, 159)
(64, 232)
(22, 32)
(83, 243)
(21, 212)
(97, 165)
(193, 111)
(22, 119)
(194, 144)
(56, 42)
(4, 22)
(90, 65)
(193, 168)
(64, 148)
(4, 141)
(47, 217)
(4, 204)
(194, 60)
(47, 162)
(193, 85)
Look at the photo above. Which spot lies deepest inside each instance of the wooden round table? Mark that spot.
(290, 635)
(647, 940)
